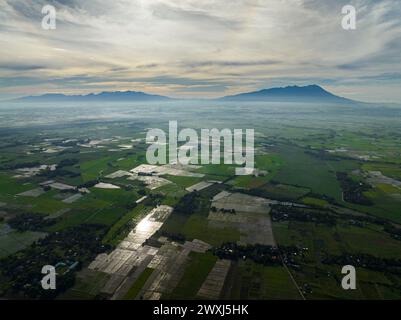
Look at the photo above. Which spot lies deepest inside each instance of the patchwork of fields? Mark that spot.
(318, 199)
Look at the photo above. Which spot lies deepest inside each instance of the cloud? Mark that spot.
(20, 67)
(200, 48)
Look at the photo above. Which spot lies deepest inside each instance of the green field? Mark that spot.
(195, 274)
(197, 227)
(137, 286)
(254, 281)
(302, 170)
(15, 241)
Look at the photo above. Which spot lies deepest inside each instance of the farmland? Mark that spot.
(318, 197)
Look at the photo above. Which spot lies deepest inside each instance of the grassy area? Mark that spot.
(15, 241)
(314, 202)
(282, 191)
(255, 281)
(304, 170)
(217, 171)
(183, 182)
(107, 216)
(198, 268)
(13, 186)
(369, 241)
(172, 190)
(270, 163)
(385, 206)
(337, 240)
(93, 169)
(197, 226)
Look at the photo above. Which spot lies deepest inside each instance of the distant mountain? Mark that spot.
(311, 93)
(103, 96)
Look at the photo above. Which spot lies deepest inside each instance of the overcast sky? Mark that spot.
(200, 48)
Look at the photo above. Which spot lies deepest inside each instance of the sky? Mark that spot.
(200, 48)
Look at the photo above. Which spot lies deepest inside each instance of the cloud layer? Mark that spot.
(208, 48)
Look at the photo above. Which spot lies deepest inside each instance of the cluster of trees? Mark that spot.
(266, 255)
(153, 199)
(30, 222)
(58, 172)
(393, 231)
(67, 163)
(21, 272)
(260, 192)
(72, 143)
(177, 237)
(214, 209)
(15, 165)
(188, 204)
(281, 213)
(324, 155)
(353, 190)
(130, 205)
(365, 261)
(364, 218)
(322, 197)
(262, 254)
(88, 184)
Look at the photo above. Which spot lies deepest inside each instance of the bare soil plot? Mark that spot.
(221, 195)
(255, 228)
(168, 169)
(30, 172)
(102, 185)
(141, 199)
(73, 198)
(131, 252)
(241, 202)
(61, 186)
(59, 213)
(197, 246)
(169, 268)
(119, 174)
(249, 214)
(199, 186)
(211, 288)
(127, 283)
(32, 193)
(151, 182)
(376, 177)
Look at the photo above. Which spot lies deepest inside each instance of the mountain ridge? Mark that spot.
(308, 93)
(102, 96)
